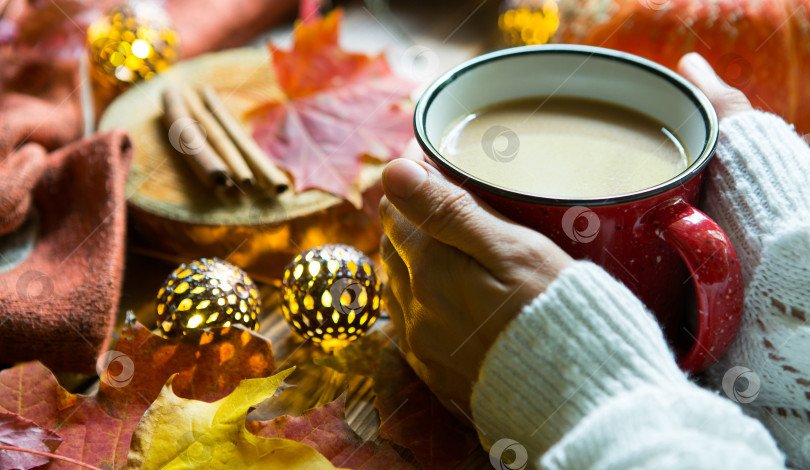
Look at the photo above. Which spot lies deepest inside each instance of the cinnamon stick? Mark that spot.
(203, 160)
(267, 173)
(219, 138)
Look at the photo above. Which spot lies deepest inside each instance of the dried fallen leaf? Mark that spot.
(410, 413)
(414, 418)
(361, 356)
(326, 430)
(97, 429)
(179, 433)
(339, 107)
(20, 432)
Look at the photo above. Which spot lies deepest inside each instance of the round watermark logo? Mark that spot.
(349, 290)
(115, 369)
(187, 136)
(193, 453)
(419, 62)
(580, 224)
(34, 286)
(508, 454)
(741, 384)
(655, 4)
(735, 70)
(500, 143)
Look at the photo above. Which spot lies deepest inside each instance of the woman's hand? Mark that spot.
(726, 100)
(458, 273)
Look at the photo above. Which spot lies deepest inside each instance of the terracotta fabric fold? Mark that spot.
(21, 171)
(59, 304)
(29, 126)
(25, 118)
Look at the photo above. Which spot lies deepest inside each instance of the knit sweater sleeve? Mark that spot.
(583, 378)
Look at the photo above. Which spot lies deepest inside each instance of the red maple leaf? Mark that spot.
(339, 106)
(325, 429)
(97, 429)
(20, 432)
(414, 418)
(411, 415)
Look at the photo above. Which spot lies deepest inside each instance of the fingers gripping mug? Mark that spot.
(653, 240)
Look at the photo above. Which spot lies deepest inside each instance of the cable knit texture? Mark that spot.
(586, 361)
(758, 190)
(683, 427)
(583, 376)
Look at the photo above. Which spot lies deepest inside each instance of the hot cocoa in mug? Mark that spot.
(604, 153)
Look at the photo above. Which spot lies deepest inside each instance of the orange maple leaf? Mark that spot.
(339, 106)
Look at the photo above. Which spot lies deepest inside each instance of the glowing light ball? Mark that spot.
(331, 295)
(207, 293)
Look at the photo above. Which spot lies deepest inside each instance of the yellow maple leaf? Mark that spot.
(176, 433)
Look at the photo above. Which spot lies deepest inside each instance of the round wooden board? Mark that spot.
(177, 214)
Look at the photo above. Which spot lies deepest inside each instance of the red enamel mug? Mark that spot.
(667, 252)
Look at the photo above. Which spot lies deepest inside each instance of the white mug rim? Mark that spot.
(697, 97)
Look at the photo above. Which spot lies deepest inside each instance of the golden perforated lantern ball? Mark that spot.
(331, 295)
(207, 293)
(131, 42)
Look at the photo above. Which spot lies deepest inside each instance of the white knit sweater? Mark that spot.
(582, 378)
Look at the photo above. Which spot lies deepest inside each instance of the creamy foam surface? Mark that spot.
(564, 148)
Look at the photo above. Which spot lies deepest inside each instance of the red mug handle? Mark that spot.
(715, 272)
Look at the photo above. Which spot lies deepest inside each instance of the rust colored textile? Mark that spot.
(51, 307)
(59, 304)
(25, 136)
(212, 25)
